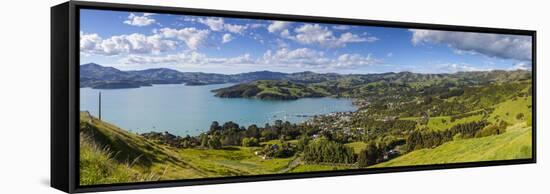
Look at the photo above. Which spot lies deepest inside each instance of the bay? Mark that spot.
(189, 110)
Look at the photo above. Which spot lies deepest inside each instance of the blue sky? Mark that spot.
(133, 41)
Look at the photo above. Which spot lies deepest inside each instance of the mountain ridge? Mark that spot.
(96, 76)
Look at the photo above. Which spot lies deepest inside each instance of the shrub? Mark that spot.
(250, 142)
(520, 116)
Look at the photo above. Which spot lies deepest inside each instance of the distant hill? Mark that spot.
(309, 84)
(269, 90)
(97, 76)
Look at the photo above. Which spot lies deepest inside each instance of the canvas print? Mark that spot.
(179, 97)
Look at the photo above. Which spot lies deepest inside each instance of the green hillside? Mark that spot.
(139, 159)
(270, 90)
(98, 166)
(514, 144)
(318, 167)
(134, 154)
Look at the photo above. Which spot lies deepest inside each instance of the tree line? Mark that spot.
(429, 139)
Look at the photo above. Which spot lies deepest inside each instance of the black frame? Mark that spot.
(65, 25)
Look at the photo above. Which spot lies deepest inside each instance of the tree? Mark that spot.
(369, 156)
(230, 126)
(214, 143)
(269, 134)
(246, 142)
(215, 126)
(253, 131)
(302, 142)
(326, 151)
(254, 141)
(249, 142)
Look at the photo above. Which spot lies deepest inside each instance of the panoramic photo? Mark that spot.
(178, 97)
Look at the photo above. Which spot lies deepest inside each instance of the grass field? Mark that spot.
(316, 167)
(357, 146)
(278, 142)
(514, 144)
(232, 161)
(509, 110)
(99, 166)
(444, 122)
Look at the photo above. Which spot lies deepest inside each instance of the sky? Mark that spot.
(136, 41)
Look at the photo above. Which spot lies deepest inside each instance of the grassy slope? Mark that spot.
(139, 159)
(317, 167)
(99, 166)
(444, 122)
(508, 110)
(233, 161)
(514, 144)
(357, 146)
(145, 157)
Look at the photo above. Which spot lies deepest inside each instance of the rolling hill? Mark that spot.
(515, 143)
(109, 154)
(96, 76)
(118, 156)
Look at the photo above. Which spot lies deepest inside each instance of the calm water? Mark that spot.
(182, 110)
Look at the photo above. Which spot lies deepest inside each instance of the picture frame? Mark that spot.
(65, 95)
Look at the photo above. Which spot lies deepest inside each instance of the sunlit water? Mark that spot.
(182, 110)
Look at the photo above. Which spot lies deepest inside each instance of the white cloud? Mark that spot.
(284, 58)
(191, 19)
(256, 25)
(341, 27)
(233, 28)
(491, 45)
(161, 40)
(226, 38)
(523, 65)
(301, 57)
(308, 58)
(215, 24)
(124, 44)
(456, 67)
(316, 34)
(277, 26)
(354, 60)
(286, 34)
(143, 20)
(193, 38)
(349, 37)
(218, 24)
(188, 58)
